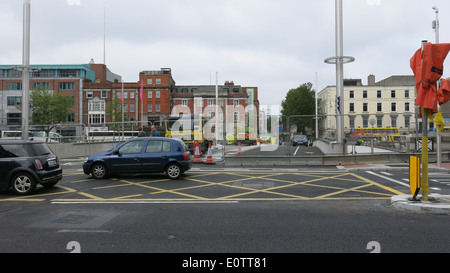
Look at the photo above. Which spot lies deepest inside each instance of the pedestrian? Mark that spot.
(155, 132)
(141, 133)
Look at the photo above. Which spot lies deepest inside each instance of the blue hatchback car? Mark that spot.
(141, 155)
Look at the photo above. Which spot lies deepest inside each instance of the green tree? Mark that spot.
(300, 101)
(48, 109)
(114, 110)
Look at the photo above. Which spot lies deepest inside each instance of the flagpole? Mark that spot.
(123, 115)
(141, 97)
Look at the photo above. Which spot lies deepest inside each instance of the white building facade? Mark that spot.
(389, 103)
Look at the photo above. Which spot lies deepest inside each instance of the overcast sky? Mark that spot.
(274, 45)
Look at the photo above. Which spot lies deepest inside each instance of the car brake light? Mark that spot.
(38, 164)
(185, 156)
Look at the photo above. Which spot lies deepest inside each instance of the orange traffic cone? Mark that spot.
(197, 155)
(209, 159)
(239, 153)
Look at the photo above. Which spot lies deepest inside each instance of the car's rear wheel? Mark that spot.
(23, 184)
(173, 171)
(99, 171)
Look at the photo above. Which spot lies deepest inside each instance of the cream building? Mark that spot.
(388, 103)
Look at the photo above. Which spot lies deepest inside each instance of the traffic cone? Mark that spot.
(239, 153)
(209, 159)
(197, 155)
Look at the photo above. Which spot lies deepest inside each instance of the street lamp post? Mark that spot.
(26, 69)
(438, 136)
(339, 60)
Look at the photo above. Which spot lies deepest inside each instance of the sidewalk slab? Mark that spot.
(437, 204)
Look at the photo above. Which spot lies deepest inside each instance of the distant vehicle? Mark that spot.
(102, 136)
(141, 155)
(300, 140)
(188, 128)
(32, 135)
(24, 164)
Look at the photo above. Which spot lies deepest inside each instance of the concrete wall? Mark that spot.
(69, 150)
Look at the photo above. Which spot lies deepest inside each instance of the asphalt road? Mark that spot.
(255, 212)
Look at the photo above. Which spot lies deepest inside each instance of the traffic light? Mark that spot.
(338, 105)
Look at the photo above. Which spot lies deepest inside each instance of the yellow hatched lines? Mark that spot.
(273, 186)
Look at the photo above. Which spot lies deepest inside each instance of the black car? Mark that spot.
(141, 155)
(24, 164)
(300, 140)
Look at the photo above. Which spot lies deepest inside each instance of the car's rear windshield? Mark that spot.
(24, 150)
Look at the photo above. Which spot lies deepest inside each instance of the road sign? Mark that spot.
(414, 175)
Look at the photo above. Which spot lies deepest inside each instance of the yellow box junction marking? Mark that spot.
(275, 186)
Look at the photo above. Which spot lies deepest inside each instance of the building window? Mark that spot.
(89, 94)
(96, 105)
(104, 94)
(236, 116)
(379, 107)
(14, 119)
(365, 107)
(379, 121)
(210, 102)
(393, 107)
(406, 93)
(378, 94)
(158, 107)
(352, 121)
(149, 108)
(66, 86)
(364, 94)
(392, 93)
(158, 80)
(132, 95)
(236, 103)
(406, 106)
(150, 94)
(407, 122)
(70, 118)
(184, 102)
(132, 107)
(158, 94)
(41, 85)
(352, 107)
(149, 81)
(393, 121)
(96, 119)
(14, 101)
(352, 94)
(365, 122)
(14, 86)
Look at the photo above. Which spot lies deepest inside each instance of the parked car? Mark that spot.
(24, 164)
(141, 155)
(300, 140)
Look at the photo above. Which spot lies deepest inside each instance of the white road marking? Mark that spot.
(388, 178)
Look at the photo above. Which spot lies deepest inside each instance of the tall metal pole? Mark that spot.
(424, 149)
(339, 74)
(26, 69)
(340, 60)
(216, 129)
(317, 110)
(438, 136)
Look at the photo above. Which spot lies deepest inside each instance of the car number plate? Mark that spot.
(52, 163)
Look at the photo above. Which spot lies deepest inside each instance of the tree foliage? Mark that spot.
(49, 109)
(300, 101)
